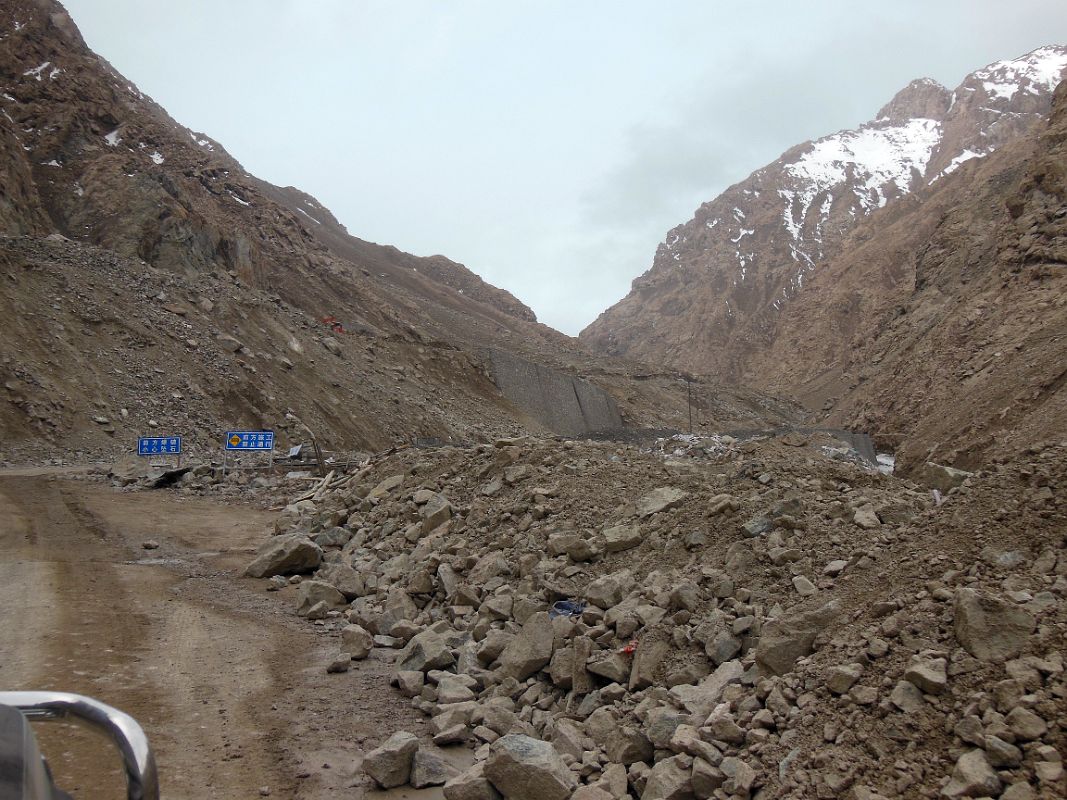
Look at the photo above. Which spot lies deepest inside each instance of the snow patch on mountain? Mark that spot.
(954, 164)
(36, 71)
(1035, 73)
(878, 155)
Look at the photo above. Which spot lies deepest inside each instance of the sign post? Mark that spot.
(150, 446)
(248, 441)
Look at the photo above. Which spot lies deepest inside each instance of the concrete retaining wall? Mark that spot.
(563, 403)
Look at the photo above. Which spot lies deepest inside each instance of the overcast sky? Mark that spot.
(548, 145)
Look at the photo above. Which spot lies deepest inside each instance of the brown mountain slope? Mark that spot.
(188, 293)
(102, 163)
(942, 324)
(722, 283)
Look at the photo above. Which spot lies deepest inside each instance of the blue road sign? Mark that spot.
(249, 440)
(159, 445)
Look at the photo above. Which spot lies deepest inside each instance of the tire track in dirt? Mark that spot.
(228, 684)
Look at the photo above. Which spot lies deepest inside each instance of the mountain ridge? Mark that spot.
(718, 282)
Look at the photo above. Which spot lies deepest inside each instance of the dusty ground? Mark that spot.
(229, 686)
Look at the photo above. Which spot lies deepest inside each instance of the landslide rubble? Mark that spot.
(748, 619)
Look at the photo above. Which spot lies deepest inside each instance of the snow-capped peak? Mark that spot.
(1034, 73)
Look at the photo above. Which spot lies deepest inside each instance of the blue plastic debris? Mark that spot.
(566, 608)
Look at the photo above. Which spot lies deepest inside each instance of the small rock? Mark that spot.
(530, 650)
(1001, 754)
(1025, 724)
(609, 590)
(339, 664)
(928, 674)
(739, 776)
(621, 537)
(669, 780)
(1049, 772)
(942, 478)
(784, 640)
(471, 785)
(840, 679)
(866, 518)
(835, 568)
(356, 641)
(907, 697)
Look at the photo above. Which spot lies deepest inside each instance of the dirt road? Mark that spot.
(228, 684)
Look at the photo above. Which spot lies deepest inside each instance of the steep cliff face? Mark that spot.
(722, 283)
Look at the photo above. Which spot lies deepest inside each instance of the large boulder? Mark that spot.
(285, 555)
(662, 499)
(990, 629)
(530, 650)
(701, 699)
(784, 640)
(429, 768)
(430, 649)
(940, 477)
(471, 785)
(609, 590)
(311, 593)
(669, 780)
(618, 538)
(390, 764)
(524, 768)
(973, 777)
(436, 511)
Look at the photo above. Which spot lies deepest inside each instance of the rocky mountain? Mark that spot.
(150, 280)
(941, 324)
(722, 283)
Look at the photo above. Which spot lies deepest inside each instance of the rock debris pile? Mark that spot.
(598, 622)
